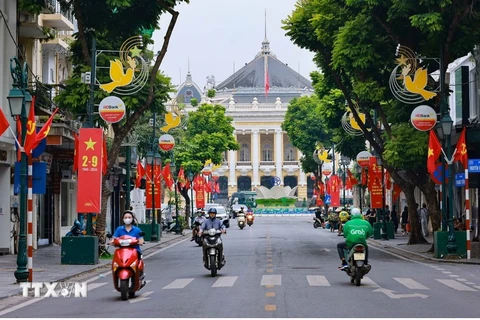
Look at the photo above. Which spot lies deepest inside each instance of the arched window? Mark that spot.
(267, 152)
(245, 152)
(290, 153)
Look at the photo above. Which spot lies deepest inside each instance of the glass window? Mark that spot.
(290, 153)
(245, 152)
(267, 152)
(458, 95)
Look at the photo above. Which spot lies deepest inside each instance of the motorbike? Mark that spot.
(76, 230)
(241, 220)
(318, 222)
(356, 264)
(249, 219)
(127, 268)
(197, 238)
(212, 246)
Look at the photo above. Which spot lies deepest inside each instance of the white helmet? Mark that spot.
(354, 212)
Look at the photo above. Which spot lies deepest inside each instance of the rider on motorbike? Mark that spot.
(129, 229)
(200, 219)
(356, 231)
(212, 223)
(344, 217)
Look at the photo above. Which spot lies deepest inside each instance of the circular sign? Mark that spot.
(112, 109)
(363, 158)
(423, 118)
(437, 174)
(166, 142)
(327, 169)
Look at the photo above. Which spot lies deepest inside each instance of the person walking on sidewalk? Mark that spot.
(405, 220)
(424, 220)
(394, 218)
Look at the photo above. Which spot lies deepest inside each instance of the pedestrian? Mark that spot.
(424, 220)
(405, 220)
(394, 218)
(372, 218)
(386, 214)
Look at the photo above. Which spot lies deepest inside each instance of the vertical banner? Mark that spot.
(375, 184)
(157, 188)
(199, 187)
(334, 182)
(89, 190)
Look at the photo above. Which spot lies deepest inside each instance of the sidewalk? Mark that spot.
(400, 247)
(47, 266)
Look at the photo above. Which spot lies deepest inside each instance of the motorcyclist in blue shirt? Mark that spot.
(212, 223)
(130, 229)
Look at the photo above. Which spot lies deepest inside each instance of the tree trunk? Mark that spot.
(416, 236)
(188, 209)
(434, 211)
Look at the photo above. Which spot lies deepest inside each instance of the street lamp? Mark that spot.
(154, 160)
(384, 214)
(19, 101)
(447, 126)
(190, 179)
(344, 161)
(173, 170)
(358, 168)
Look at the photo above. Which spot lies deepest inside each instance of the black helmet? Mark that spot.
(212, 210)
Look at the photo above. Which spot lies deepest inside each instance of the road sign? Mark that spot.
(460, 180)
(166, 142)
(328, 199)
(474, 165)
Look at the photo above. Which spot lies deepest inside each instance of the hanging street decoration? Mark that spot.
(172, 118)
(166, 142)
(423, 118)
(112, 109)
(129, 73)
(349, 123)
(363, 159)
(409, 82)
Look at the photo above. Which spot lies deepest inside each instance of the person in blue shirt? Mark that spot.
(212, 223)
(130, 229)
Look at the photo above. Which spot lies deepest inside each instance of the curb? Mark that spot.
(410, 253)
(102, 265)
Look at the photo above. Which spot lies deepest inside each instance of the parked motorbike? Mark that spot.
(127, 268)
(76, 230)
(318, 223)
(241, 220)
(356, 264)
(213, 251)
(249, 218)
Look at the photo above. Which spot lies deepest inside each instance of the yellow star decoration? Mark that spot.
(135, 52)
(90, 144)
(430, 152)
(402, 60)
(464, 149)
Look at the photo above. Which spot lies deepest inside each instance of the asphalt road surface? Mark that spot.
(279, 267)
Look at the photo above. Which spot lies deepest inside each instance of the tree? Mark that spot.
(111, 22)
(208, 135)
(354, 42)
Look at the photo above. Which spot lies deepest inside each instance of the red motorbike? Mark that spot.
(127, 268)
(250, 218)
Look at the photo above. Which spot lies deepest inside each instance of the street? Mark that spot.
(279, 267)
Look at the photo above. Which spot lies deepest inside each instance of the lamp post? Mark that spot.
(344, 161)
(190, 179)
(154, 161)
(384, 215)
(358, 168)
(19, 101)
(173, 170)
(447, 126)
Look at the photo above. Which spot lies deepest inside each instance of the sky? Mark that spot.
(216, 34)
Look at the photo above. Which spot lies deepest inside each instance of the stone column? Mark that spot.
(303, 177)
(255, 157)
(278, 153)
(232, 163)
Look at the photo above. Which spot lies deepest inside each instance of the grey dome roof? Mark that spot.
(188, 90)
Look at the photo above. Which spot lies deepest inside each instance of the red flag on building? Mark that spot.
(4, 124)
(353, 181)
(461, 152)
(31, 135)
(105, 157)
(75, 152)
(167, 175)
(140, 174)
(43, 133)
(434, 150)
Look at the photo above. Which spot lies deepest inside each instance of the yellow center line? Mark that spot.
(269, 270)
(270, 307)
(270, 294)
(269, 265)
(269, 286)
(269, 260)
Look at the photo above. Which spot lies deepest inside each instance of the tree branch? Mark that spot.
(382, 115)
(81, 32)
(454, 26)
(387, 28)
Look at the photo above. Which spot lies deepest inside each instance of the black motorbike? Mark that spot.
(213, 251)
(76, 230)
(197, 238)
(356, 264)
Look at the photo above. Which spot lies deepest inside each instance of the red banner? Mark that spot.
(157, 188)
(335, 184)
(375, 185)
(199, 187)
(89, 185)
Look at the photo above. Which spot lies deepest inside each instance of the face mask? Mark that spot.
(212, 217)
(127, 221)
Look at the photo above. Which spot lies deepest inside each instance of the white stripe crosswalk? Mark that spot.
(411, 284)
(454, 284)
(318, 281)
(224, 282)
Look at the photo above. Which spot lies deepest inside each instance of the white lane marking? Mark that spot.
(470, 283)
(92, 286)
(411, 284)
(179, 283)
(461, 279)
(272, 280)
(455, 285)
(141, 297)
(392, 295)
(446, 272)
(21, 305)
(453, 276)
(224, 282)
(367, 282)
(478, 287)
(318, 281)
(163, 249)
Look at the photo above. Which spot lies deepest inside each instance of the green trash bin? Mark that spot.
(390, 231)
(377, 230)
(79, 250)
(147, 228)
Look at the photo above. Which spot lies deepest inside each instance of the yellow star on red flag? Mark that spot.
(90, 144)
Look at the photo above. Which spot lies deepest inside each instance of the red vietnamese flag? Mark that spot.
(388, 180)
(321, 188)
(167, 175)
(353, 181)
(105, 157)
(396, 192)
(89, 184)
(140, 174)
(461, 151)
(364, 177)
(217, 187)
(181, 178)
(4, 124)
(75, 153)
(43, 133)
(31, 136)
(208, 187)
(434, 150)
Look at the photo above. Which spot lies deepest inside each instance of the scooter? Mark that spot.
(76, 230)
(197, 238)
(356, 264)
(127, 268)
(213, 251)
(249, 219)
(318, 223)
(241, 220)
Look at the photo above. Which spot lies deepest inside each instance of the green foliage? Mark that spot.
(276, 202)
(408, 147)
(208, 135)
(211, 93)
(32, 6)
(194, 102)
